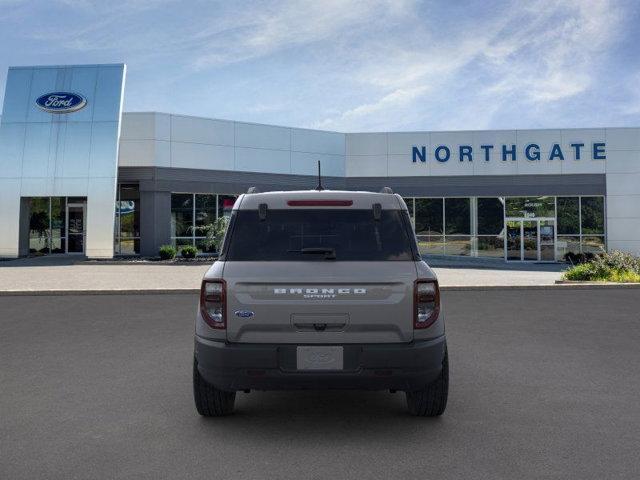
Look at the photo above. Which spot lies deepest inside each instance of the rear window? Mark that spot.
(320, 235)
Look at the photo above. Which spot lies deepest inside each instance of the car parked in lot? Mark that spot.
(320, 289)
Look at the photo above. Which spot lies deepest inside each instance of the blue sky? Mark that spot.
(371, 65)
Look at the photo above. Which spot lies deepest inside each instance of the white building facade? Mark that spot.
(517, 195)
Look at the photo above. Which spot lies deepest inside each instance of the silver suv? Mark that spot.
(320, 290)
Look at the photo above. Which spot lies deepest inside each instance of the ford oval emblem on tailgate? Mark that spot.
(243, 313)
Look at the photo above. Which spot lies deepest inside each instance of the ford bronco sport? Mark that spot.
(316, 290)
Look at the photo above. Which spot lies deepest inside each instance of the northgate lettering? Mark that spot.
(531, 152)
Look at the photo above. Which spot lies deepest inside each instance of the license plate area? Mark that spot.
(318, 358)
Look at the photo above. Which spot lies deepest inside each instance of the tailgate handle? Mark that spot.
(320, 327)
(319, 322)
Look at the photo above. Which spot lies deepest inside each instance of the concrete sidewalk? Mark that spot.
(68, 274)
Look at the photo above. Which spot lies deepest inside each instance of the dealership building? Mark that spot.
(79, 176)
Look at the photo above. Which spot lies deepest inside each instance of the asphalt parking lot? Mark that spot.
(544, 384)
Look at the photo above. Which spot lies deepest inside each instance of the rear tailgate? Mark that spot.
(343, 303)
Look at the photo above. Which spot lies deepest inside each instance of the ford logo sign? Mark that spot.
(61, 102)
(243, 313)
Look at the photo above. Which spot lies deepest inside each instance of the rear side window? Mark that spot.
(313, 234)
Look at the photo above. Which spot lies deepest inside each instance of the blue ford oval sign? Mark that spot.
(244, 313)
(61, 102)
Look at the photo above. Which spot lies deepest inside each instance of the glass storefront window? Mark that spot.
(567, 244)
(457, 214)
(490, 216)
(190, 211)
(430, 244)
(592, 214)
(48, 224)
(225, 205)
(593, 244)
(429, 216)
(568, 216)
(491, 246)
(457, 245)
(181, 214)
(39, 225)
(205, 210)
(127, 226)
(530, 207)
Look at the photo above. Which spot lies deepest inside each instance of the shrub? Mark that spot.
(167, 252)
(607, 267)
(189, 251)
(578, 258)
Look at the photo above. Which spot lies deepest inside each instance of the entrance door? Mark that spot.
(75, 227)
(530, 240)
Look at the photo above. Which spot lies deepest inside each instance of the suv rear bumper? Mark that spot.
(233, 366)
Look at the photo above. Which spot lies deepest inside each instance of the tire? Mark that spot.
(432, 401)
(210, 402)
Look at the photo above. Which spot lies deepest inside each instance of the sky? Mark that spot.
(348, 65)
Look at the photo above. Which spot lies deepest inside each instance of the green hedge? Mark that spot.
(607, 267)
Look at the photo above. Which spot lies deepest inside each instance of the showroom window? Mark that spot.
(490, 242)
(429, 225)
(581, 223)
(191, 211)
(127, 220)
(47, 225)
(442, 225)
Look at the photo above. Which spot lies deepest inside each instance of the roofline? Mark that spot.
(380, 132)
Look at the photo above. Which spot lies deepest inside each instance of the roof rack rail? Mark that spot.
(253, 190)
(386, 190)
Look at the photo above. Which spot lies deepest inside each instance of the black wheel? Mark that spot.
(210, 402)
(432, 401)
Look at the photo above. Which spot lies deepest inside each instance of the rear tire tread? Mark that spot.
(210, 401)
(432, 401)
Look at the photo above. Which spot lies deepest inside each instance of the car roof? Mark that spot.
(351, 199)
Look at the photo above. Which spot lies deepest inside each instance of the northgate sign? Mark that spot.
(532, 152)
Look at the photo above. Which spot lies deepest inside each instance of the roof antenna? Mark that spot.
(319, 187)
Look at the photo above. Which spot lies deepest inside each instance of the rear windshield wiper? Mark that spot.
(329, 253)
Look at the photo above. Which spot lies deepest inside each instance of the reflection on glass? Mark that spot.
(429, 219)
(547, 241)
(568, 216)
(225, 205)
(75, 236)
(430, 244)
(514, 237)
(58, 216)
(593, 244)
(39, 225)
(491, 246)
(568, 244)
(181, 214)
(181, 242)
(490, 216)
(592, 215)
(530, 240)
(530, 207)
(457, 216)
(205, 210)
(457, 245)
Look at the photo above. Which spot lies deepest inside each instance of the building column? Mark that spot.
(155, 221)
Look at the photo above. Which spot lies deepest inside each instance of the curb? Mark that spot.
(559, 285)
(139, 291)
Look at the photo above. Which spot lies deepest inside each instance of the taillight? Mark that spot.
(213, 303)
(426, 304)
